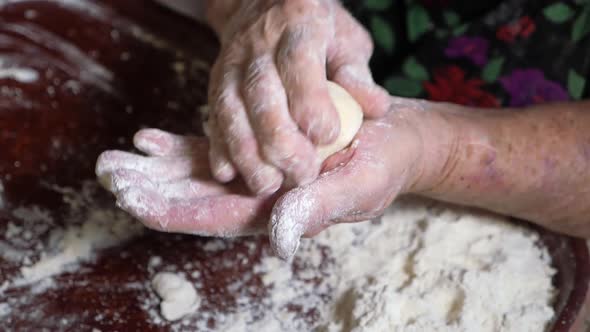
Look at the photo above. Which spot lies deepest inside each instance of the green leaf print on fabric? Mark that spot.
(418, 22)
(415, 70)
(460, 30)
(558, 13)
(451, 18)
(441, 33)
(403, 87)
(383, 33)
(581, 25)
(492, 70)
(575, 84)
(378, 4)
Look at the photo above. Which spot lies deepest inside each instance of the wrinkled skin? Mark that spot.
(171, 188)
(268, 93)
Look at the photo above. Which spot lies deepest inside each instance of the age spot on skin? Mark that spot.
(584, 149)
(487, 158)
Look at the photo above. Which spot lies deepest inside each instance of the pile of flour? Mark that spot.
(419, 268)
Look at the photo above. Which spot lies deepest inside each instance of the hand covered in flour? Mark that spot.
(268, 91)
(171, 190)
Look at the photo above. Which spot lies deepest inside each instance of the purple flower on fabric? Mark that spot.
(529, 86)
(472, 48)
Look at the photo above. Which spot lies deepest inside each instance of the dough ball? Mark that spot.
(351, 119)
(350, 114)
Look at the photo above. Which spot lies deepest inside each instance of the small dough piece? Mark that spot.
(351, 119)
(178, 295)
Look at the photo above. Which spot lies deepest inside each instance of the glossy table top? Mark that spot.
(93, 73)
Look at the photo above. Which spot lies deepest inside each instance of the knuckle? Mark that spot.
(290, 46)
(288, 156)
(278, 150)
(221, 112)
(298, 9)
(232, 54)
(364, 38)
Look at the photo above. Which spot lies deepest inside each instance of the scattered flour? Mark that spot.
(1, 195)
(102, 229)
(178, 295)
(419, 268)
(86, 228)
(19, 74)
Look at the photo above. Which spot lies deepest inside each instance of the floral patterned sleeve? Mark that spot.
(480, 53)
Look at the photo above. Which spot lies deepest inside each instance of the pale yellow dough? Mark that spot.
(351, 118)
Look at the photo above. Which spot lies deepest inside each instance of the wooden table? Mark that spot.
(105, 69)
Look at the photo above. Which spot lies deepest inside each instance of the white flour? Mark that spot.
(418, 269)
(87, 229)
(103, 229)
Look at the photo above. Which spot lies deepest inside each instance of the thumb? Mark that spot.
(308, 209)
(356, 78)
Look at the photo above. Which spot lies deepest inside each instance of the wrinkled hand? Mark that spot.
(268, 89)
(171, 190)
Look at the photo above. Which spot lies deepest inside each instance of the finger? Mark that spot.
(121, 179)
(301, 64)
(349, 66)
(224, 216)
(219, 160)
(242, 146)
(193, 189)
(357, 80)
(158, 169)
(282, 143)
(183, 188)
(344, 194)
(156, 142)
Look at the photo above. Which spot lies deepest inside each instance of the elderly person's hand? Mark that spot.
(268, 96)
(171, 189)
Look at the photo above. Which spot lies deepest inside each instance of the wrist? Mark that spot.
(437, 155)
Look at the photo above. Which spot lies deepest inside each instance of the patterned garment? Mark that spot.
(480, 53)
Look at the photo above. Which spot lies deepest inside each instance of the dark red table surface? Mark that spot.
(106, 68)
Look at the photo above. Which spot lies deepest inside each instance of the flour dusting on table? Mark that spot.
(417, 269)
(85, 230)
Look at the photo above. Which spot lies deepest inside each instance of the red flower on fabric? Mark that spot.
(450, 85)
(523, 28)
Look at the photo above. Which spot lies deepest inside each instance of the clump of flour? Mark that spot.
(178, 295)
(417, 269)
